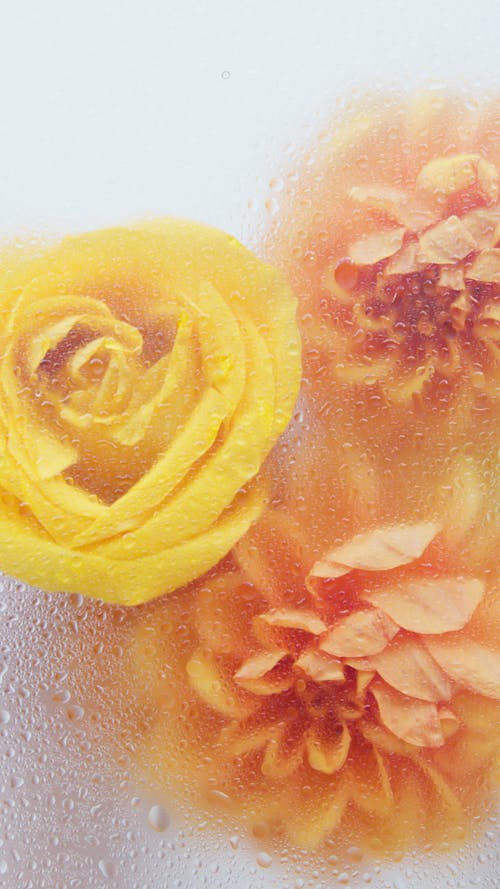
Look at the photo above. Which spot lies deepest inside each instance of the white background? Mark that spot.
(111, 111)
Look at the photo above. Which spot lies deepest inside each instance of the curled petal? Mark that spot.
(443, 790)
(363, 679)
(470, 664)
(487, 178)
(243, 739)
(367, 372)
(377, 550)
(309, 825)
(449, 175)
(380, 197)
(449, 721)
(460, 310)
(452, 277)
(256, 673)
(407, 666)
(326, 750)
(447, 242)
(416, 722)
(385, 740)
(219, 624)
(405, 262)
(370, 783)
(401, 390)
(320, 667)
(206, 680)
(284, 753)
(488, 326)
(380, 245)
(294, 619)
(362, 633)
(395, 203)
(486, 267)
(429, 606)
(482, 225)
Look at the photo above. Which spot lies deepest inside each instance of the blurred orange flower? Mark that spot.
(396, 247)
(367, 666)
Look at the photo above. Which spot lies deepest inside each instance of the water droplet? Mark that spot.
(264, 860)
(107, 868)
(226, 75)
(234, 841)
(158, 818)
(4, 717)
(3, 867)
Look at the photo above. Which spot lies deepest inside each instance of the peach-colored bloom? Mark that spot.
(366, 667)
(393, 240)
(422, 295)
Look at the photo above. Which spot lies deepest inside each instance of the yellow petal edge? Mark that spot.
(145, 374)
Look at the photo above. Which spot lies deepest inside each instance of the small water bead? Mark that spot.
(107, 868)
(263, 859)
(158, 818)
(4, 717)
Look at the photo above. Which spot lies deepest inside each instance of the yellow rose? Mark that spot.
(145, 373)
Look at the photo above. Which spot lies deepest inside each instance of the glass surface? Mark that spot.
(111, 113)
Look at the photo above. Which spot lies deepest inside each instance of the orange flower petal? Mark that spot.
(443, 790)
(467, 662)
(283, 755)
(256, 673)
(320, 667)
(487, 179)
(404, 262)
(309, 825)
(242, 740)
(482, 225)
(460, 309)
(380, 245)
(449, 175)
(416, 722)
(407, 666)
(370, 785)
(294, 619)
(400, 390)
(376, 550)
(259, 664)
(328, 753)
(449, 721)
(385, 740)
(486, 267)
(430, 606)
(206, 680)
(489, 322)
(445, 243)
(361, 633)
(380, 197)
(363, 679)
(452, 277)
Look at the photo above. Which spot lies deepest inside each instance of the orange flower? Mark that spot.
(396, 248)
(364, 666)
(424, 295)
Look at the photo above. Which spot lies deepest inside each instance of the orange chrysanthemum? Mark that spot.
(376, 661)
(399, 217)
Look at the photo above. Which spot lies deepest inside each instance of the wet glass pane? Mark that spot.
(249, 440)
